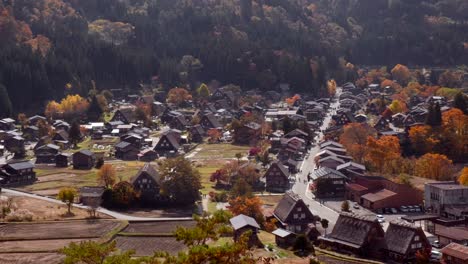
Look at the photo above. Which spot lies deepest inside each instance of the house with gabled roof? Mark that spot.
(179, 122)
(147, 182)
(293, 214)
(46, 153)
(7, 124)
(403, 240)
(277, 177)
(242, 224)
(331, 162)
(126, 115)
(84, 159)
(360, 235)
(327, 182)
(330, 143)
(197, 133)
(381, 124)
(168, 145)
(17, 173)
(351, 166)
(126, 151)
(248, 134)
(343, 118)
(209, 121)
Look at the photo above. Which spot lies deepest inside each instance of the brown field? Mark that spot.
(47, 211)
(146, 246)
(57, 230)
(35, 245)
(164, 212)
(160, 227)
(31, 258)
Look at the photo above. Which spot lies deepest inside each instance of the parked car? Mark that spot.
(436, 244)
(379, 216)
(394, 210)
(435, 255)
(356, 206)
(404, 209)
(381, 220)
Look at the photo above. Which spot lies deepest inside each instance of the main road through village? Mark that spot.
(300, 186)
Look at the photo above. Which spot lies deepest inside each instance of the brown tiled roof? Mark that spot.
(379, 195)
(456, 250)
(456, 233)
(355, 187)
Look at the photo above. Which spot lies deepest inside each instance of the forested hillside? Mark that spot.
(49, 48)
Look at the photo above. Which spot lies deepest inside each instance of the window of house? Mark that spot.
(302, 216)
(295, 216)
(145, 180)
(416, 238)
(299, 209)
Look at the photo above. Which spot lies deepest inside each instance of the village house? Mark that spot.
(209, 121)
(14, 143)
(277, 177)
(179, 122)
(61, 138)
(284, 238)
(91, 195)
(197, 133)
(330, 143)
(83, 160)
(46, 153)
(168, 145)
(18, 173)
(62, 160)
(447, 199)
(248, 134)
(33, 120)
(31, 133)
(381, 124)
(360, 235)
(135, 139)
(343, 118)
(242, 224)
(293, 214)
(148, 183)
(403, 240)
(126, 151)
(376, 193)
(7, 124)
(351, 168)
(328, 183)
(331, 162)
(147, 155)
(125, 115)
(451, 234)
(454, 254)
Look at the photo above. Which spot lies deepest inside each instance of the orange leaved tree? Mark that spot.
(434, 166)
(354, 139)
(421, 139)
(250, 206)
(382, 152)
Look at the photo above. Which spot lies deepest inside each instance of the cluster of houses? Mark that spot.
(338, 176)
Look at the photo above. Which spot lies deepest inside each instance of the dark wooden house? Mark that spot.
(360, 235)
(403, 240)
(62, 160)
(242, 224)
(277, 177)
(284, 238)
(83, 160)
(209, 121)
(46, 153)
(197, 133)
(248, 134)
(126, 115)
(293, 214)
(91, 195)
(168, 145)
(18, 173)
(126, 151)
(328, 183)
(147, 182)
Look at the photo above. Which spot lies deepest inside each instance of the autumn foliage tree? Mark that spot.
(178, 95)
(434, 166)
(421, 139)
(354, 139)
(292, 100)
(214, 135)
(107, 175)
(382, 152)
(250, 206)
(455, 134)
(331, 87)
(463, 179)
(401, 73)
(69, 107)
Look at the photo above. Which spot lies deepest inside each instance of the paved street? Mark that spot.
(308, 165)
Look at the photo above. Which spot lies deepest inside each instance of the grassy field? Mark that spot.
(51, 179)
(218, 151)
